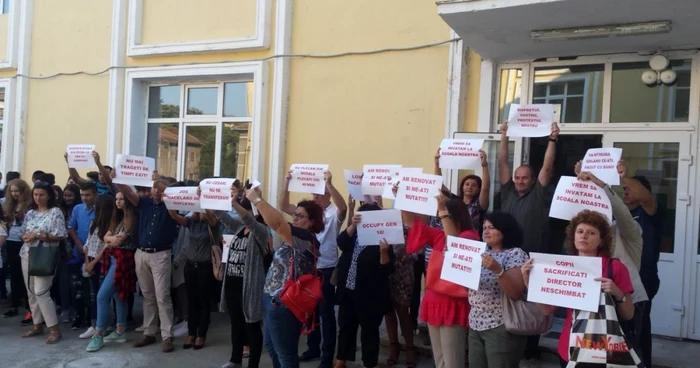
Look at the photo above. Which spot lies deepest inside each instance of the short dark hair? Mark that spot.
(315, 214)
(37, 174)
(93, 175)
(48, 177)
(12, 175)
(369, 207)
(644, 181)
(89, 186)
(49, 192)
(508, 226)
(142, 189)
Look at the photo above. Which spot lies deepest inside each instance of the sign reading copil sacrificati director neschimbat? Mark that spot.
(565, 281)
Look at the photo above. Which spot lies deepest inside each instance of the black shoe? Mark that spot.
(11, 313)
(76, 324)
(309, 356)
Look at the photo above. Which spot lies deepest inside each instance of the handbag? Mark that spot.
(301, 296)
(436, 284)
(43, 260)
(524, 318)
(218, 267)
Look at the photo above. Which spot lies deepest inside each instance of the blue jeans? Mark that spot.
(282, 330)
(105, 295)
(327, 330)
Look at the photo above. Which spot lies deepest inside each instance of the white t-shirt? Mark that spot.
(328, 238)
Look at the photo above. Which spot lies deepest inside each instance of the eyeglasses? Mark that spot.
(299, 216)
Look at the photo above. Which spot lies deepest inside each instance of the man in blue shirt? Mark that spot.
(78, 228)
(104, 176)
(157, 232)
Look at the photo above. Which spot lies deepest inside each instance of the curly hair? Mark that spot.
(315, 215)
(596, 220)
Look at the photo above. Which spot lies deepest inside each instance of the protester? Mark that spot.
(156, 234)
(334, 214)
(299, 244)
(37, 175)
(589, 235)
(203, 232)
(103, 182)
(15, 207)
(43, 224)
(401, 284)
(242, 290)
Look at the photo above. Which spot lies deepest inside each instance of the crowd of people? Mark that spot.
(113, 237)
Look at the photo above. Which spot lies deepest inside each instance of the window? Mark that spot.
(5, 6)
(210, 137)
(633, 101)
(578, 89)
(508, 92)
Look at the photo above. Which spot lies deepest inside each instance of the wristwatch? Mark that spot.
(257, 200)
(624, 297)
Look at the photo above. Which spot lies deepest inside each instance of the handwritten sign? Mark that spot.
(573, 196)
(80, 156)
(417, 193)
(565, 281)
(226, 242)
(375, 178)
(254, 185)
(353, 180)
(182, 199)
(460, 153)
(134, 170)
(602, 162)
(378, 225)
(462, 264)
(388, 193)
(308, 178)
(216, 194)
(530, 120)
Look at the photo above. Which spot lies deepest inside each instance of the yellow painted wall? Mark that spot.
(4, 32)
(382, 108)
(67, 36)
(174, 21)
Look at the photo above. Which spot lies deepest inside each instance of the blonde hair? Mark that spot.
(20, 205)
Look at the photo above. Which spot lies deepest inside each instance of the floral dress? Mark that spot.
(51, 222)
(401, 281)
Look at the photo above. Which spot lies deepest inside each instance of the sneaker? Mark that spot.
(27, 321)
(145, 341)
(116, 337)
(11, 313)
(232, 365)
(96, 343)
(140, 329)
(168, 345)
(90, 332)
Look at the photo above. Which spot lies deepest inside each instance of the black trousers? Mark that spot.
(418, 272)
(199, 280)
(645, 335)
(242, 333)
(349, 320)
(17, 287)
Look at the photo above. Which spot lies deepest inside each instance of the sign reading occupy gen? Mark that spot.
(565, 281)
(378, 225)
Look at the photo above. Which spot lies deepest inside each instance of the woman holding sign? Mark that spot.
(445, 311)
(589, 235)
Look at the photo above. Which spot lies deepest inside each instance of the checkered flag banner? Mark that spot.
(597, 339)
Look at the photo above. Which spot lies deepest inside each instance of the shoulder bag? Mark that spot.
(301, 296)
(218, 267)
(524, 318)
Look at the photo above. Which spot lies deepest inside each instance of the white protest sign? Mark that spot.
(462, 264)
(308, 178)
(353, 180)
(80, 156)
(134, 170)
(460, 153)
(378, 225)
(530, 120)
(216, 194)
(573, 196)
(227, 241)
(254, 185)
(387, 193)
(375, 177)
(417, 193)
(602, 162)
(565, 281)
(182, 199)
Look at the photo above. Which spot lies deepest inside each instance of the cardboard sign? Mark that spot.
(308, 178)
(134, 170)
(460, 153)
(530, 120)
(216, 194)
(417, 193)
(353, 180)
(80, 156)
(462, 264)
(565, 281)
(226, 242)
(602, 162)
(378, 225)
(375, 177)
(387, 193)
(573, 196)
(182, 199)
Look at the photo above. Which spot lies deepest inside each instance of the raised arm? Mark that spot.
(105, 173)
(646, 199)
(448, 223)
(181, 220)
(272, 217)
(504, 173)
(284, 204)
(485, 195)
(73, 173)
(351, 209)
(438, 171)
(336, 196)
(346, 239)
(548, 165)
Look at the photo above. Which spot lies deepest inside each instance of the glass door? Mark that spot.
(664, 158)
(200, 160)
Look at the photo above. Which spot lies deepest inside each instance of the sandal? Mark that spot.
(54, 336)
(394, 352)
(35, 331)
(410, 357)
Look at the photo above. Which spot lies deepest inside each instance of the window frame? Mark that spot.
(566, 95)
